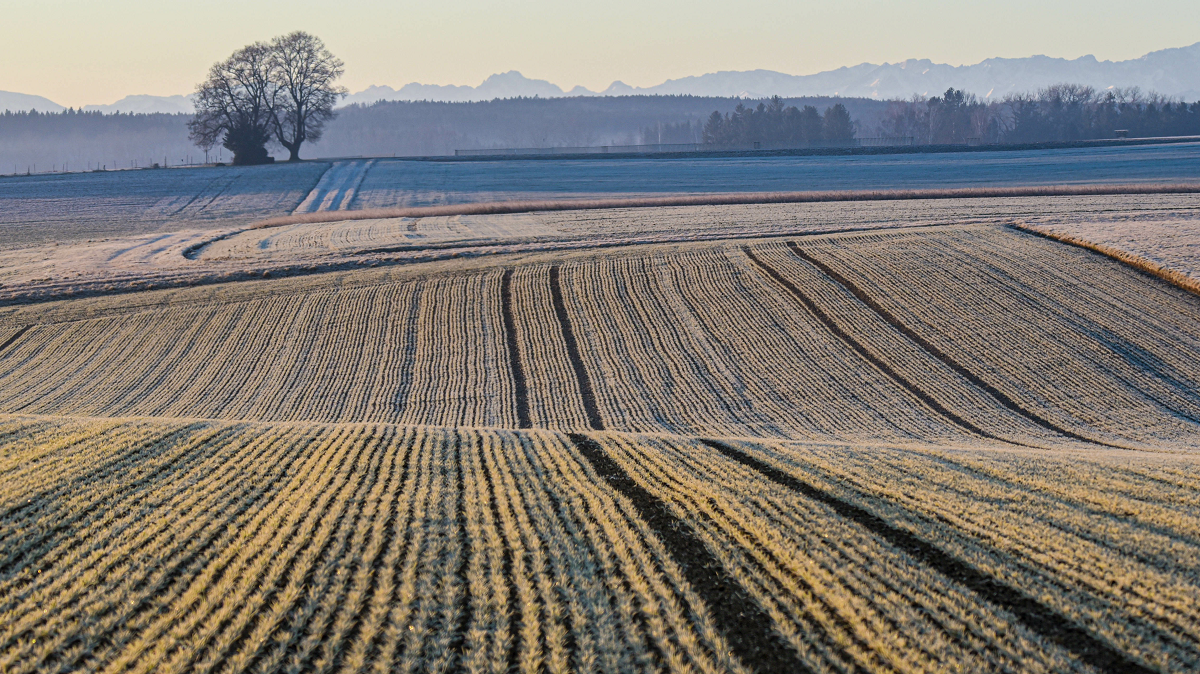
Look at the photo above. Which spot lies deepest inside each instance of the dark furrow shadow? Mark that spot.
(932, 350)
(520, 389)
(11, 340)
(746, 626)
(1038, 617)
(581, 375)
(862, 351)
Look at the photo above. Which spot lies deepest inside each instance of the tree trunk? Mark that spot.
(292, 148)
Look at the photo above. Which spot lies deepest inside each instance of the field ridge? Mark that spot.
(720, 199)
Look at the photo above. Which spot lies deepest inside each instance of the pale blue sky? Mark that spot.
(78, 52)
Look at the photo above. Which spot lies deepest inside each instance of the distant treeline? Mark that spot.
(42, 141)
(83, 140)
(776, 122)
(1064, 112)
(430, 128)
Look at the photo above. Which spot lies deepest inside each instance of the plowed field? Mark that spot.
(947, 446)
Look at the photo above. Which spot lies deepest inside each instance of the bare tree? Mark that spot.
(304, 72)
(236, 105)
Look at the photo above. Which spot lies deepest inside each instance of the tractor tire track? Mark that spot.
(1035, 615)
(945, 358)
(862, 351)
(581, 375)
(520, 388)
(11, 340)
(747, 628)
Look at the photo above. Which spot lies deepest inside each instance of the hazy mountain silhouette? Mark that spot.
(136, 104)
(1172, 72)
(511, 84)
(25, 102)
(147, 104)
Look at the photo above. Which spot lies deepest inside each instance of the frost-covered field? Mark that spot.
(409, 183)
(72, 207)
(955, 448)
(1173, 243)
(873, 437)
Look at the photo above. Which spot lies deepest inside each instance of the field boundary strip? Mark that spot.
(305, 423)
(937, 353)
(866, 355)
(733, 198)
(746, 626)
(11, 340)
(1035, 615)
(1141, 264)
(581, 375)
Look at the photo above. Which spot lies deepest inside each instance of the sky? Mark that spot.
(78, 52)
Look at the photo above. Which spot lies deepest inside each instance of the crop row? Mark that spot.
(1058, 329)
(215, 546)
(841, 338)
(347, 548)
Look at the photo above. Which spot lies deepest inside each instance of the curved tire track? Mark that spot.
(1035, 615)
(746, 627)
(865, 354)
(937, 353)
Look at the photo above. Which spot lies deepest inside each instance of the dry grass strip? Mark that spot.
(733, 198)
(1175, 278)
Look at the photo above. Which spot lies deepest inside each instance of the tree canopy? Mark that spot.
(771, 122)
(1058, 113)
(281, 92)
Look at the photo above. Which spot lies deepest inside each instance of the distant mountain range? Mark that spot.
(135, 104)
(1171, 72)
(147, 104)
(13, 101)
